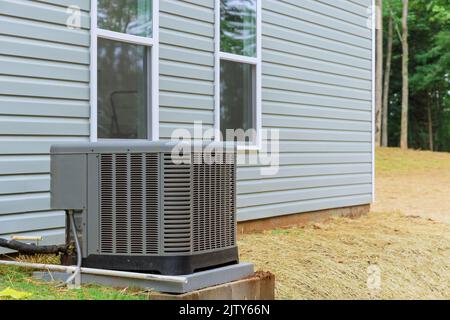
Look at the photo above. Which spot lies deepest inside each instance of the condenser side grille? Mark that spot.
(129, 204)
(152, 203)
(231, 203)
(214, 218)
(177, 204)
(137, 204)
(121, 203)
(107, 208)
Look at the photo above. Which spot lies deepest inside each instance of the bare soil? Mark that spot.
(423, 194)
(421, 187)
(404, 241)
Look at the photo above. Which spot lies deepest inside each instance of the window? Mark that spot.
(238, 70)
(124, 69)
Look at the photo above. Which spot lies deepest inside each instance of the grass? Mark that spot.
(391, 161)
(332, 260)
(21, 280)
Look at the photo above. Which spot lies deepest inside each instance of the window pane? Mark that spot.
(238, 27)
(237, 97)
(122, 90)
(126, 16)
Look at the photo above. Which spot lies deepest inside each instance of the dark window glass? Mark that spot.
(123, 88)
(238, 27)
(132, 17)
(237, 97)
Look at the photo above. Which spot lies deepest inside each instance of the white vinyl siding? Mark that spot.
(186, 65)
(44, 99)
(317, 90)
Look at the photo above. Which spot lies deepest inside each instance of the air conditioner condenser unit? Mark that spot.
(154, 207)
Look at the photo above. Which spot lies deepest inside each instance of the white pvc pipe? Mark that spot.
(133, 275)
(37, 266)
(102, 272)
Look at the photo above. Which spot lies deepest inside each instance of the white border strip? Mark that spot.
(122, 37)
(150, 42)
(217, 70)
(257, 62)
(374, 28)
(238, 58)
(93, 73)
(155, 73)
(258, 118)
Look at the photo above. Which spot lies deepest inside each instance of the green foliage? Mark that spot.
(21, 280)
(429, 66)
(238, 27)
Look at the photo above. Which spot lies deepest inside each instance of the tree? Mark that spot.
(405, 77)
(430, 127)
(428, 26)
(429, 83)
(387, 78)
(379, 72)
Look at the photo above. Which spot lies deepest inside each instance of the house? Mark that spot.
(80, 70)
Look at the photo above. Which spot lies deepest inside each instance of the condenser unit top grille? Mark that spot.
(109, 147)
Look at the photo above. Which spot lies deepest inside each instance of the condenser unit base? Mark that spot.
(165, 265)
(196, 281)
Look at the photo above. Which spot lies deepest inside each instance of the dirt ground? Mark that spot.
(401, 250)
(379, 256)
(421, 188)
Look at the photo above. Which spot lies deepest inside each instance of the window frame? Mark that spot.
(153, 94)
(255, 61)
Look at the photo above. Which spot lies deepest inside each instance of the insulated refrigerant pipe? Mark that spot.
(77, 242)
(100, 272)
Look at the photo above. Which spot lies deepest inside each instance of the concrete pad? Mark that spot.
(196, 281)
(260, 286)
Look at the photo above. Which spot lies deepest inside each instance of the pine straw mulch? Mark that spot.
(332, 260)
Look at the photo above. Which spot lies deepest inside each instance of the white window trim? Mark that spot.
(374, 33)
(242, 59)
(149, 42)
